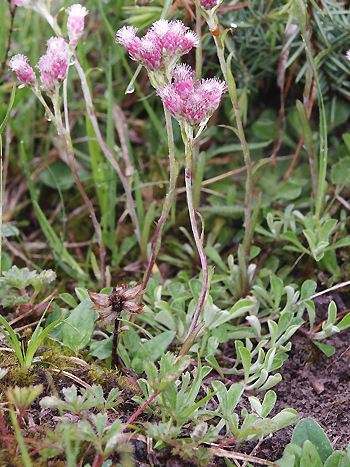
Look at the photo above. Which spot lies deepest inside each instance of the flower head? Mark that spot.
(122, 298)
(53, 65)
(161, 47)
(190, 100)
(76, 22)
(348, 55)
(209, 4)
(17, 2)
(19, 64)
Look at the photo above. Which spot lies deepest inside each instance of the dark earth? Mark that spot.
(315, 385)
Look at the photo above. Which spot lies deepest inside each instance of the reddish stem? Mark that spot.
(141, 408)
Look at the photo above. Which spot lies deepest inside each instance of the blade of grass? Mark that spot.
(20, 440)
(60, 251)
(13, 340)
(37, 339)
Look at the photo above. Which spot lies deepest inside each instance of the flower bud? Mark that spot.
(208, 4)
(19, 64)
(189, 100)
(76, 22)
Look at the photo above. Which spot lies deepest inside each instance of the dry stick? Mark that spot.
(240, 456)
(84, 195)
(105, 149)
(168, 202)
(335, 287)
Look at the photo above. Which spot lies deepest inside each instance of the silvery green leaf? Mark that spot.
(272, 380)
(269, 402)
(255, 405)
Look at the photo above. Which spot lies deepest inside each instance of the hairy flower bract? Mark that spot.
(161, 47)
(191, 100)
(53, 65)
(19, 64)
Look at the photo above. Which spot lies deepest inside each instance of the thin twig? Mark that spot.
(335, 287)
(238, 455)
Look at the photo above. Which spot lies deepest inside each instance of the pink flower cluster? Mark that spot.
(165, 41)
(17, 2)
(76, 22)
(208, 4)
(19, 64)
(53, 65)
(190, 100)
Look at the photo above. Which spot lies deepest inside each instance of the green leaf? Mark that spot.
(340, 172)
(268, 403)
(57, 176)
(12, 340)
(328, 350)
(285, 418)
(69, 299)
(36, 341)
(246, 360)
(77, 329)
(344, 323)
(101, 349)
(310, 456)
(152, 350)
(338, 459)
(309, 430)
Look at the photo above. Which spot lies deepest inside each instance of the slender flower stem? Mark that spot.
(105, 149)
(198, 240)
(142, 407)
(168, 202)
(232, 89)
(64, 133)
(199, 50)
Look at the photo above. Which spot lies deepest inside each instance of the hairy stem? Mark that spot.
(64, 133)
(198, 240)
(168, 202)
